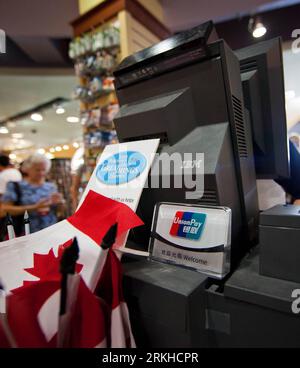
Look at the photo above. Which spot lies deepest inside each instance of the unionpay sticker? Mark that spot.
(193, 236)
(188, 225)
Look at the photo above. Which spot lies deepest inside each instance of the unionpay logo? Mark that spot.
(121, 167)
(188, 225)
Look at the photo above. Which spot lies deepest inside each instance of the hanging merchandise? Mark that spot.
(95, 56)
(108, 114)
(101, 63)
(90, 43)
(95, 85)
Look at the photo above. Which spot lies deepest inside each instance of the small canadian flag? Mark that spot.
(29, 272)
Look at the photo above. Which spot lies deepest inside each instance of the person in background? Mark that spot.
(273, 192)
(22, 169)
(34, 194)
(7, 173)
(295, 138)
(291, 185)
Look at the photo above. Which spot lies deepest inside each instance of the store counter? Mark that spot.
(174, 307)
(166, 304)
(258, 310)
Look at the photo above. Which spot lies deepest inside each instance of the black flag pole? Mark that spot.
(110, 237)
(68, 292)
(67, 267)
(107, 242)
(26, 222)
(10, 227)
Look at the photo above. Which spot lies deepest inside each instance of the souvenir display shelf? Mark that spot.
(104, 35)
(95, 55)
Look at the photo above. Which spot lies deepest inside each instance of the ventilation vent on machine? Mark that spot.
(248, 66)
(209, 197)
(239, 126)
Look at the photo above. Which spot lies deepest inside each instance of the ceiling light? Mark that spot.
(22, 143)
(52, 150)
(12, 156)
(37, 116)
(65, 147)
(75, 145)
(259, 31)
(17, 135)
(58, 148)
(41, 151)
(60, 110)
(72, 119)
(4, 130)
(256, 27)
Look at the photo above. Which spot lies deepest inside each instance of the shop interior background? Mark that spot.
(37, 75)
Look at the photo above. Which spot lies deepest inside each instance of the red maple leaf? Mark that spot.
(46, 266)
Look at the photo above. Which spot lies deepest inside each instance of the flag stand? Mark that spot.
(70, 282)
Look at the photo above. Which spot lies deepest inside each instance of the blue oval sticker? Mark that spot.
(121, 168)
